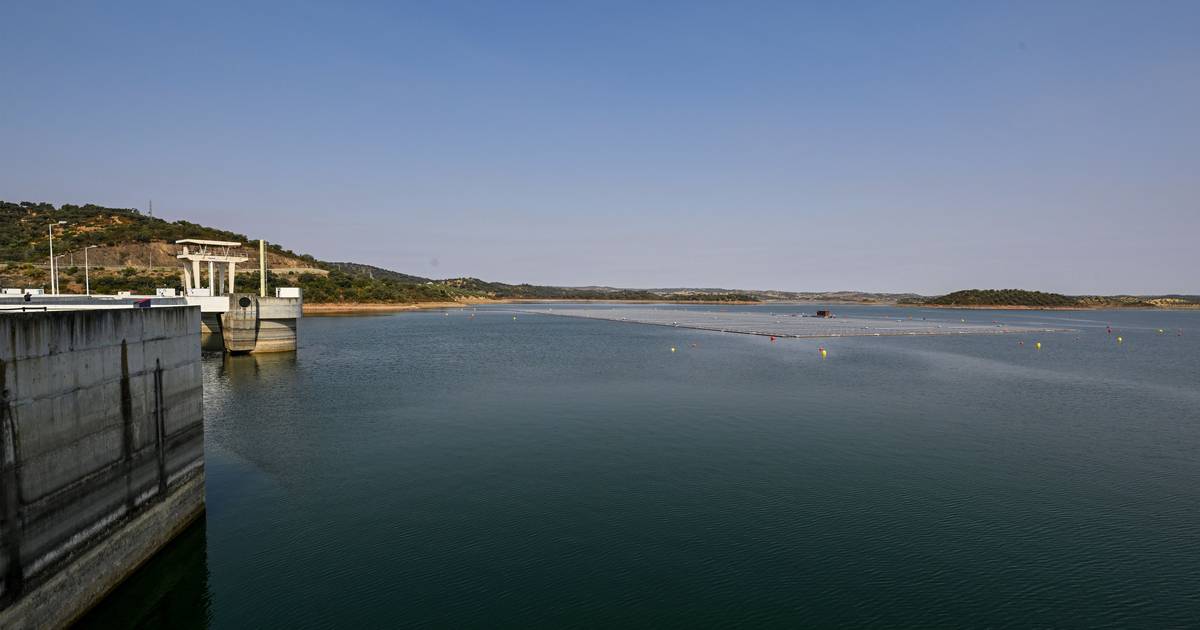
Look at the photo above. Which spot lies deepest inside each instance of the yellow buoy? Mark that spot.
(672, 348)
(514, 316)
(1038, 345)
(1160, 331)
(1120, 339)
(824, 352)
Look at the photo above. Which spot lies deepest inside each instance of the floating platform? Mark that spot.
(786, 325)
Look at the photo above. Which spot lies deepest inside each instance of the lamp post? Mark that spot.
(53, 271)
(57, 265)
(87, 280)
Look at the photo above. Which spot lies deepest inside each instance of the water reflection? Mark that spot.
(469, 467)
(236, 367)
(252, 410)
(211, 343)
(169, 591)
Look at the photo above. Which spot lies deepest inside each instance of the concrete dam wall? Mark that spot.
(101, 452)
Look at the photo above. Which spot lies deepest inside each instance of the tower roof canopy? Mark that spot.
(198, 241)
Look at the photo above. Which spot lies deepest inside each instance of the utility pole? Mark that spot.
(53, 269)
(52, 291)
(87, 280)
(57, 284)
(262, 268)
(150, 266)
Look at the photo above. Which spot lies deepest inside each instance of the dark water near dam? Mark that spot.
(438, 469)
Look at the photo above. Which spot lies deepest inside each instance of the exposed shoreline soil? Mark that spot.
(346, 308)
(1112, 307)
(350, 308)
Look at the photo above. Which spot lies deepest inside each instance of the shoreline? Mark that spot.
(349, 308)
(353, 308)
(1114, 307)
(358, 308)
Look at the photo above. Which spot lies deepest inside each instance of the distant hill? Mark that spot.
(120, 235)
(1002, 297)
(371, 271)
(1038, 299)
(133, 251)
(847, 297)
(532, 291)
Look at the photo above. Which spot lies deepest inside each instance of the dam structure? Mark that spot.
(237, 322)
(101, 451)
(41, 302)
(785, 325)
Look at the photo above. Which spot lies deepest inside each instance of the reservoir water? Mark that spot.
(443, 469)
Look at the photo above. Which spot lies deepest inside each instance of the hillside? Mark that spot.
(1019, 298)
(371, 271)
(133, 251)
(1001, 297)
(122, 236)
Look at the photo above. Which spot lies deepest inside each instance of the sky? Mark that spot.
(888, 146)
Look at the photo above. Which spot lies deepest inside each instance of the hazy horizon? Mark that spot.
(897, 148)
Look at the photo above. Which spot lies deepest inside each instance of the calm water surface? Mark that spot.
(437, 469)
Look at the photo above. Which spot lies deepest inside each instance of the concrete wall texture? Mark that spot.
(101, 452)
(261, 324)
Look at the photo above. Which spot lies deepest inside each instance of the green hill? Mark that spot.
(371, 271)
(1002, 297)
(136, 252)
(1038, 299)
(133, 251)
(24, 233)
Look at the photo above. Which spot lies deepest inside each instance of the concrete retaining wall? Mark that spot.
(101, 452)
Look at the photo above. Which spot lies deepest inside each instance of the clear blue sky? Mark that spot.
(888, 146)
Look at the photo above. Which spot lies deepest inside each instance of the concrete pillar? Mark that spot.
(262, 268)
(232, 273)
(187, 278)
(212, 286)
(220, 281)
(196, 274)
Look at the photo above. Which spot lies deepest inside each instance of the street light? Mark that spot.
(87, 281)
(53, 270)
(57, 265)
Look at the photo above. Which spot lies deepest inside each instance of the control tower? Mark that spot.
(221, 256)
(237, 322)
